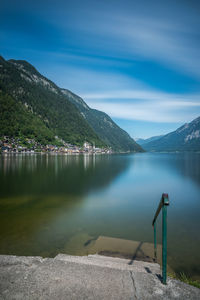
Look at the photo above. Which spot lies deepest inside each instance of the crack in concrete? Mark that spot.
(3, 265)
(134, 287)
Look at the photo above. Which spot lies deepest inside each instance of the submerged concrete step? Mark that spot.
(135, 250)
(111, 262)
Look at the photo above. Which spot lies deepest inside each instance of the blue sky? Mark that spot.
(138, 61)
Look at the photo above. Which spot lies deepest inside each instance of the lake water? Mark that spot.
(48, 201)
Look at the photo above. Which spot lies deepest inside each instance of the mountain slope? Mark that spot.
(111, 134)
(145, 141)
(48, 112)
(185, 138)
(45, 101)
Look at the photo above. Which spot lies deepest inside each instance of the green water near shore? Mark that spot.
(57, 203)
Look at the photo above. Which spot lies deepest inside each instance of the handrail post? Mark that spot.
(165, 201)
(155, 242)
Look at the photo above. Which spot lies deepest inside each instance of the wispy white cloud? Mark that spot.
(124, 97)
(151, 112)
(169, 36)
(180, 104)
(163, 43)
(166, 36)
(145, 104)
(143, 37)
(88, 82)
(147, 94)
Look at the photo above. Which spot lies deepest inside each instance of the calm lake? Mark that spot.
(50, 204)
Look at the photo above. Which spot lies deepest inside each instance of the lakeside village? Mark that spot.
(16, 145)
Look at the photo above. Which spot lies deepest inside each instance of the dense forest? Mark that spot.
(17, 121)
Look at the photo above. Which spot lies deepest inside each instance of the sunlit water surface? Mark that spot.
(48, 201)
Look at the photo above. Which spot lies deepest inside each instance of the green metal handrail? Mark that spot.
(164, 202)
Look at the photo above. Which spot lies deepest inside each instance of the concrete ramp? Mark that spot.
(86, 277)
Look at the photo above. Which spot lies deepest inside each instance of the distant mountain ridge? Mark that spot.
(42, 111)
(145, 141)
(185, 138)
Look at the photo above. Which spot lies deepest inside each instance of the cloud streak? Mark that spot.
(146, 95)
(170, 37)
(151, 112)
(147, 105)
(126, 98)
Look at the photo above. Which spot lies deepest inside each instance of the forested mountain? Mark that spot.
(17, 121)
(185, 138)
(43, 100)
(108, 131)
(34, 107)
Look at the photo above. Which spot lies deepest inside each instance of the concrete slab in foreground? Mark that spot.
(89, 277)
